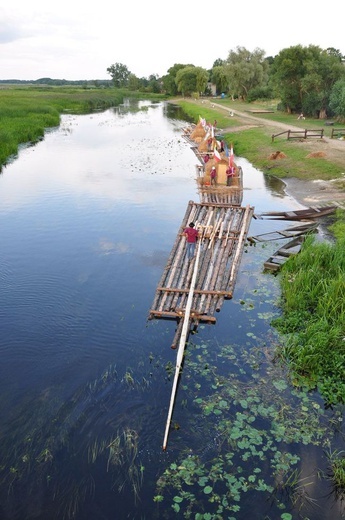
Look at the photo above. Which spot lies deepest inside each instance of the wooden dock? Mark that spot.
(224, 230)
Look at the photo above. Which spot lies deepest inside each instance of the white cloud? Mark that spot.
(78, 40)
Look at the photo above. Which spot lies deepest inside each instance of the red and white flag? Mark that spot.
(216, 155)
(231, 156)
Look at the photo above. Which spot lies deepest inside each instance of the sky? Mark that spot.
(75, 40)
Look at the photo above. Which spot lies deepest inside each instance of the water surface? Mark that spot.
(87, 220)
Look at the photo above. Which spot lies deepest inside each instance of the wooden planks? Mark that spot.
(301, 214)
(224, 229)
(303, 229)
(279, 258)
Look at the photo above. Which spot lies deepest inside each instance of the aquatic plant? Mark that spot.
(337, 471)
(256, 420)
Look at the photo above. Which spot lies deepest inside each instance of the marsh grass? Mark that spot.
(314, 322)
(292, 487)
(336, 475)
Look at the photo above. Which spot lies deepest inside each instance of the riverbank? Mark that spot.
(315, 192)
(311, 182)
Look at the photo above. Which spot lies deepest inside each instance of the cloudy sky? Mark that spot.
(70, 39)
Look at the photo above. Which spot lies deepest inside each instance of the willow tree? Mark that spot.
(220, 78)
(190, 80)
(245, 71)
(169, 80)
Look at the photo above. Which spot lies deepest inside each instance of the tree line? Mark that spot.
(305, 79)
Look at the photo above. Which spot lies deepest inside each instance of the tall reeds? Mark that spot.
(313, 288)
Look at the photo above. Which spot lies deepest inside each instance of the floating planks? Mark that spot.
(303, 229)
(224, 230)
(301, 214)
(279, 258)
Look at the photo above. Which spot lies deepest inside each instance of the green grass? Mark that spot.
(314, 323)
(256, 143)
(337, 471)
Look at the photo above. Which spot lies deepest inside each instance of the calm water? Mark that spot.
(87, 220)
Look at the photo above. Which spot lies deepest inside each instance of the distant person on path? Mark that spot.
(191, 235)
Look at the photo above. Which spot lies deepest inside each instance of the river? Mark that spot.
(87, 220)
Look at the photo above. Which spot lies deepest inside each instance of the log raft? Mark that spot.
(223, 230)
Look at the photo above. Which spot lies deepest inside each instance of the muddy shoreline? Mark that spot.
(314, 193)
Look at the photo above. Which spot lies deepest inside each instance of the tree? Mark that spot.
(246, 70)
(304, 77)
(219, 77)
(154, 84)
(119, 74)
(337, 99)
(169, 80)
(322, 73)
(133, 82)
(191, 79)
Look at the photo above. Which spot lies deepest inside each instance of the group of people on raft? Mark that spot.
(230, 172)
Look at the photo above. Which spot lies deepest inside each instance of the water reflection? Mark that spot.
(87, 220)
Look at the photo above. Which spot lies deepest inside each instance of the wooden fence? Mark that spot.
(300, 134)
(337, 132)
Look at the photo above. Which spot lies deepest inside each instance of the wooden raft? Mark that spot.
(224, 230)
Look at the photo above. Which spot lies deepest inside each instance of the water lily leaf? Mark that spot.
(280, 385)
(208, 490)
(177, 499)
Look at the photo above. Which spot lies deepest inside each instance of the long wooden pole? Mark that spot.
(182, 344)
(239, 243)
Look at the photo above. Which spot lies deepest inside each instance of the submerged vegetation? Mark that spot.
(245, 436)
(255, 449)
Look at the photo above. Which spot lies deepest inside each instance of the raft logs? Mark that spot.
(223, 231)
